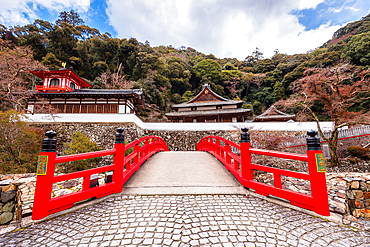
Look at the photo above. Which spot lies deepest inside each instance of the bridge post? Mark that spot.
(119, 160)
(317, 169)
(45, 175)
(245, 156)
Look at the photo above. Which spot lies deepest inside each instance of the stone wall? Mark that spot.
(11, 197)
(101, 133)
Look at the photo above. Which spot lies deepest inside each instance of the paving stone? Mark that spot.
(186, 221)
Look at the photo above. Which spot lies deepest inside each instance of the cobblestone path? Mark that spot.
(185, 220)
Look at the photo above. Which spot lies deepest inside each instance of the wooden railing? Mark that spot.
(122, 169)
(237, 159)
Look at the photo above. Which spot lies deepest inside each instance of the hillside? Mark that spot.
(171, 75)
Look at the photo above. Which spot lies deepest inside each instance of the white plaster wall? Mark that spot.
(132, 118)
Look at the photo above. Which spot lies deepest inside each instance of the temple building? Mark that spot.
(66, 92)
(208, 106)
(273, 115)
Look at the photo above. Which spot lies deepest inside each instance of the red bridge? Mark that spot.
(235, 157)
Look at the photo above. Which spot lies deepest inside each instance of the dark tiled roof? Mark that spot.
(228, 102)
(278, 114)
(107, 91)
(222, 101)
(211, 112)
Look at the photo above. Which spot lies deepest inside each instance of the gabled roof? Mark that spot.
(273, 114)
(208, 97)
(209, 112)
(42, 74)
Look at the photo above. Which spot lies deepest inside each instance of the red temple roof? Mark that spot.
(62, 73)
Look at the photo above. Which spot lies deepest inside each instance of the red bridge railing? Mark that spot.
(122, 168)
(241, 166)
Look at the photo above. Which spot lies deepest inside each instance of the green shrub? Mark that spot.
(359, 152)
(20, 144)
(80, 143)
(352, 161)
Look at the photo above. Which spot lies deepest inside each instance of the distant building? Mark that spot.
(64, 91)
(208, 106)
(273, 115)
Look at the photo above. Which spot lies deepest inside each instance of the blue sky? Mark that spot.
(232, 28)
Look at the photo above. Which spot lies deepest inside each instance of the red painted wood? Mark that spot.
(317, 202)
(279, 154)
(75, 157)
(45, 205)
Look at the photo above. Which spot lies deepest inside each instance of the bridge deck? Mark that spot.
(179, 173)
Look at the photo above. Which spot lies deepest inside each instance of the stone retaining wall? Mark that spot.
(101, 133)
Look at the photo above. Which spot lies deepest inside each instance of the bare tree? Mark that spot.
(15, 80)
(115, 80)
(337, 90)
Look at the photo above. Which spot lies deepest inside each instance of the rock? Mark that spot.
(9, 188)
(340, 210)
(339, 207)
(7, 196)
(9, 207)
(355, 185)
(6, 218)
(25, 180)
(350, 218)
(363, 186)
(359, 204)
(62, 192)
(350, 195)
(358, 194)
(367, 195)
(6, 182)
(341, 195)
(364, 212)
(69, 184)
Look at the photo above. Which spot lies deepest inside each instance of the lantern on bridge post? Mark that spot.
(45, 175)
(317, 170)
(246, 159)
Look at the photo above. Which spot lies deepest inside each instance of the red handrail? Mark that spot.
(122, 168)
(240, 165)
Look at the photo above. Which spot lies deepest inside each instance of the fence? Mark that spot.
(237, 159)
(342, 134)
(121, 170)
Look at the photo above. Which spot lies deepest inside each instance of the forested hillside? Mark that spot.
(169, 75)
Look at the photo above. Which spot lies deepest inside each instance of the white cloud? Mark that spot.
(232, 28)
(22, 12)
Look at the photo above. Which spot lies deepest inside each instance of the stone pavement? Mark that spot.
(179, 173)
(186, 220)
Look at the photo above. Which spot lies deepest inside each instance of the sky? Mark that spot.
(232, 28)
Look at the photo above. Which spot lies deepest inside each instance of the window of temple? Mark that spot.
(54, 83)
(72, 85)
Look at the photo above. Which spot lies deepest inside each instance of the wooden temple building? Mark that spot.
(273, 115)
(66, 92)
(208, 106)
